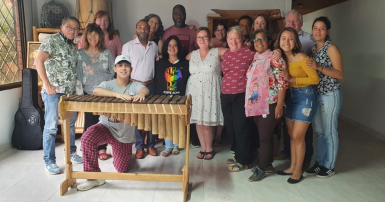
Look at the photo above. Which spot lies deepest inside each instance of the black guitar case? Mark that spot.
(29, 118)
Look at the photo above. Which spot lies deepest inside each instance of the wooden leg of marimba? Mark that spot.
(185, 168)
(68, 182)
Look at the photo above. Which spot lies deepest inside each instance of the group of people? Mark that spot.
(240, 79)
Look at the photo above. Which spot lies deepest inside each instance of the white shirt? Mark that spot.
(306, 41)
(142, 59)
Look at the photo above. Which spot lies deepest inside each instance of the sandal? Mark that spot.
(166, 152)
(237, 167)
(103, 156)
(231, 161)
(175, 151)
(212, 153)
(202, 155)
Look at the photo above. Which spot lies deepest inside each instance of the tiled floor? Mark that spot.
(360, 176)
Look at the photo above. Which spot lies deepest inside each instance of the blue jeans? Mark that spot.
(301, 104)
(325, 125)
(139, 143)
(51, 117)
(169, 144)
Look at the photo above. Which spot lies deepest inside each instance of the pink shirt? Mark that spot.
(114, 45)
(187, 36)
(142, 59)
(234, 68)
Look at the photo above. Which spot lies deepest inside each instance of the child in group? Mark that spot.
(118, 134)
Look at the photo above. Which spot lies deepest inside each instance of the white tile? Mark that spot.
(7, 184)
(369, 192)
(32, 189)
(168, 192)
(275, 191)
(8, 155)
(324, 192)
(132, 190)
(16, 171)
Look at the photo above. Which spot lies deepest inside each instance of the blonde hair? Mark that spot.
(235, 29)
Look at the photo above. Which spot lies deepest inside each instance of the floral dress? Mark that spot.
(204, 85)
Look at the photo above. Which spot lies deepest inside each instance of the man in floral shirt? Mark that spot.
(56, 65)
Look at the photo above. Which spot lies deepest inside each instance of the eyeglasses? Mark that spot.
(202, 38)
(260, 40)
(72, 29)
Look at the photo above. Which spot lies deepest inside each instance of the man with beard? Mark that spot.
(185, 33)
(142, 54)
(245, 23)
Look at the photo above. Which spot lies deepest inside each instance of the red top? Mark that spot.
(234, 68)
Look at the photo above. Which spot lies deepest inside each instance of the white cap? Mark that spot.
(122, 58)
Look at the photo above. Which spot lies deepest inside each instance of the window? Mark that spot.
(10, 46)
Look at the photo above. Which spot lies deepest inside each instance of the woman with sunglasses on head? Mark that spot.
(328, 63)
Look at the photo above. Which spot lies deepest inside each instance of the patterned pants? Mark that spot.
(97, 135)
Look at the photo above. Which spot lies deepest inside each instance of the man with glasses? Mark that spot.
(185, 33)
(142, 54)
(56, 65)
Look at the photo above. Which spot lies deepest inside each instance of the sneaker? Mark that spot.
(89, 184)
(195, 146)
(231, 151)
(258, 175)
(314, 170)
(326, 173)
(52, 169)
(269, 169)
(75, 158)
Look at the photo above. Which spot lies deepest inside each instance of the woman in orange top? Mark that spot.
(300, 99)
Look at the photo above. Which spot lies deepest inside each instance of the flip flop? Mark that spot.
(212, 153)
(203, 154)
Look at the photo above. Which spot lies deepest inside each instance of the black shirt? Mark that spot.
(171, 79)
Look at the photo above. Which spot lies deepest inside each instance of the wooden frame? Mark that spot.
(66, 109)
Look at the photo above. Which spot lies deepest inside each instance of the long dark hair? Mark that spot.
(92, 27)
(297, 46)
(159, 33)
(110, 29)
(181, 53)
(327, 22)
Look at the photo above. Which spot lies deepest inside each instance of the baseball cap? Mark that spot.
(122, 58)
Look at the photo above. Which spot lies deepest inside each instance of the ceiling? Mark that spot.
(308, 6)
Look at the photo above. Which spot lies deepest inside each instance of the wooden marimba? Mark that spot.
(167, 116)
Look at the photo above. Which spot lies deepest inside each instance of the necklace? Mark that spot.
(94, 57)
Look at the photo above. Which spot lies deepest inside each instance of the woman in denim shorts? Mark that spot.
(300, 100)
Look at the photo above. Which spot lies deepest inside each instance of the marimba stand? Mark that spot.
(66, 110)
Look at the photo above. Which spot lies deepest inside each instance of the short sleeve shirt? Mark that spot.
(186, 35)
(234, 68)
(121, 131)
(61, 65)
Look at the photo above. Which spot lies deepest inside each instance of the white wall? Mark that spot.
(127, 13)
(358, 30)
(9, 104)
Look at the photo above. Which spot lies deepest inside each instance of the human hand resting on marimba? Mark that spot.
(123, 96)
(139, 97)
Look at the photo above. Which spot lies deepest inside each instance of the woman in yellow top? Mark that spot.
(300, 100)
